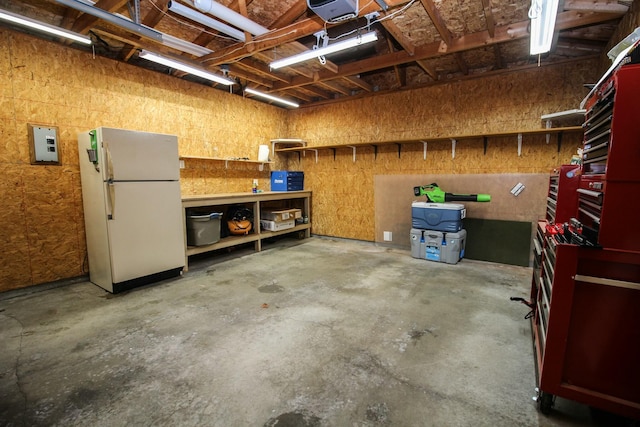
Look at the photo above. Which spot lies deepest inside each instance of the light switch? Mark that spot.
(44, 145)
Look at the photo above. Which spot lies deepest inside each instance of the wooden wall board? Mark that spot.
(46, 83)
(43, 82)
(15, 265)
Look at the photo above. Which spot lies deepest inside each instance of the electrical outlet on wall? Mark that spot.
(387, 236)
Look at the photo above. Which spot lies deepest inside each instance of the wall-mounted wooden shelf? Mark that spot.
(227, 161)
(559, 131)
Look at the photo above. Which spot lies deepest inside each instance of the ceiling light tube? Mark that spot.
(332, 48)
(543, 20)
(184, 46)
(139, 29)
(150, 56)
(203, 19)
(41, 26)
(271, 97)
(230, 16)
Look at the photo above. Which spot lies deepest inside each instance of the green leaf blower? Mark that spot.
(436, 195)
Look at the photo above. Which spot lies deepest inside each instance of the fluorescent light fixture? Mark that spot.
(184, 46)
(271, 97)
(203, 19)
(41, 26)
(543, 20)
(332, 48)
(118, 20)
(150, 56)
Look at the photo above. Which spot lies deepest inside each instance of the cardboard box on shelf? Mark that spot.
(277, 226)
(281, 214)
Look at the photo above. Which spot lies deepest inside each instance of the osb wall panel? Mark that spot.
(343, 198)
(43, 236)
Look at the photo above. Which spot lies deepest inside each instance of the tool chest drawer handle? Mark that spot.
(607, 282)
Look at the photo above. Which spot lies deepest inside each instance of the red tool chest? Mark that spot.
(608, 198)
(585, 291)
(562, 198)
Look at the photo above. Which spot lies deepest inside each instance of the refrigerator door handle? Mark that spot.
(111, 195)
(109, 162)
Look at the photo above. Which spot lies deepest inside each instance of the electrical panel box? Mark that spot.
(44, 146)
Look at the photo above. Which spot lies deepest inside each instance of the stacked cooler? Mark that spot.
(436, 232)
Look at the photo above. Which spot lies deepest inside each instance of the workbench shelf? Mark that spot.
(257, 201)
(518, 134)
(226, 161)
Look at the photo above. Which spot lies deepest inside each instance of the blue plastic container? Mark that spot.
(445, 217)
(287, 181)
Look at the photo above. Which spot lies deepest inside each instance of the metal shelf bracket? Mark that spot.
(354, 152)
(315, 151)
(519, 144)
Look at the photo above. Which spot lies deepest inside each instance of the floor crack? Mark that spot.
(16, 370)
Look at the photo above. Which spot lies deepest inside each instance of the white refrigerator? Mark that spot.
(132, 207)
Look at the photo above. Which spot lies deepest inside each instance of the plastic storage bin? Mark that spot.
(446, 217)
(203, 229)
(287, 181)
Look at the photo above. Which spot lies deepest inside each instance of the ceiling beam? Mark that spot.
(608, 6)
(335, 87)
(488, 17)
(427, 69)
(235, 70)
(399, 36)
(399, 76)
(259, 68)
(498, 55)
(462, 64)
(516, 31)
(359, 82)
(289, 17)
(471, 76)
(437, 20)
(280, 36)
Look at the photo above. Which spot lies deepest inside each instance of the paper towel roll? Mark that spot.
(263, 153)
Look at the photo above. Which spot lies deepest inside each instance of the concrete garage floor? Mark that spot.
(315, 332)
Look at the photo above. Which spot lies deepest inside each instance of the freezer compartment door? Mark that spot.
(138, 156)
(146, 235)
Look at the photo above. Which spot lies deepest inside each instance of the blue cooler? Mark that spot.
(445, 217)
